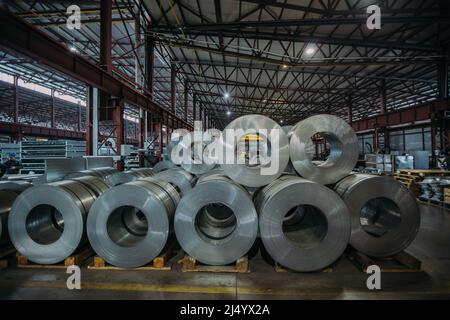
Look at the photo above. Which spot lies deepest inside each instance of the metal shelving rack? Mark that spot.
(34, 153)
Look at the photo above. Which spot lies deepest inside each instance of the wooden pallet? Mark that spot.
(189, 264)
(160, 263)
(75, 259)
(401, 262)
(4, 255)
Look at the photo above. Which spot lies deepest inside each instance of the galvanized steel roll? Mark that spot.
(163, 165)
(7, 199)
(216, 221)
(179, 178)
(343, 148)
(251, 175)
(385, 217)
(129, 224)
(47, 222)
(304, 226)
(16, 186)
(198, 163)
(102, 173)
(128, 176)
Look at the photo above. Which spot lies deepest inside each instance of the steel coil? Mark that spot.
(198, 163)
(7, 199)
(47, 222)
(129, 224)
(248, 174)
(343, 148)
(304, 226)
(102, 173)
(16, 186)
(216, 221)
(214, 172)
(163, 165)
(180, 179)
(128, 176)
(385, 217)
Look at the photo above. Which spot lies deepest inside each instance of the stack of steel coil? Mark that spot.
(102, 173)
(128, 176)
(304, 226)
(47, 222)
(8, 194)
(163, 165)
(216, 221)
(130, 224)
(385, 216)
(265, 129)
(343, 148)
(178, 178)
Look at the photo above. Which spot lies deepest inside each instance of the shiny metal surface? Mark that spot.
(216, 221)
(180, 179)
(129, 224)
(250, 175)
(199, 163)
(385, 217)
(163, 165)
(47, 222)
(16, 186)
(128, 176)
(343, 148)
(102, 173)
(304, 225)
(7, 198)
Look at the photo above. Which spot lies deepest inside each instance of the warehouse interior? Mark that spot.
(93, 95)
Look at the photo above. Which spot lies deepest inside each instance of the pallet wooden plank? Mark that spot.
(189, 264)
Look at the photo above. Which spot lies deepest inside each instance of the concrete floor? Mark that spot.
(432, 247)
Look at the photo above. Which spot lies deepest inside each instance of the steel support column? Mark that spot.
(383, 96)
(194, 108)
(442, 73)
(119, 125)
(52, 110)
(106, 35)
(16, 100)
(89, 120)
(150, 64)
(173, 88)
(186, 101)
(350, 110)
(166, 122)
(142, 135)
(79, 117)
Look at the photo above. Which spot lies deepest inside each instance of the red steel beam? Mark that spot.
(106, 35)
(173, 88)
(20, 128)
(407, 116)
(19, 35)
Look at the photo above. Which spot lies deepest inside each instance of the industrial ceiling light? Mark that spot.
(228, 112)
(226, 95)
(73, 49)
(310, 51)
(281, 121)
(284, 66)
